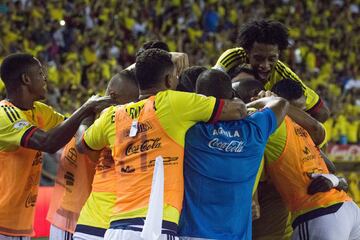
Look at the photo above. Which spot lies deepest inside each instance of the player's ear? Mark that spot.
(168, 81)
(25, 79)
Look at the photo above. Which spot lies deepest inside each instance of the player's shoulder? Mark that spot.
(42, 106)
(9, 114)
(231, 52)
(109, 110)
(285, 71)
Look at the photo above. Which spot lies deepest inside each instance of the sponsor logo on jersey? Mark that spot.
(232, 146)
(226, 133)
(30, 200)
(149, 144)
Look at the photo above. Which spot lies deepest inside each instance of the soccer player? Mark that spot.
(72, 187)
(137, 133)
(260, 45)
(221, 163)
(292, 162)
(94, 218)
(75, 178)
(28, 127)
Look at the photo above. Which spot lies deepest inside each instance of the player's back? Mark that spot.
(220, 167)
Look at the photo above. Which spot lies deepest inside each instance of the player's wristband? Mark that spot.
(334, 179)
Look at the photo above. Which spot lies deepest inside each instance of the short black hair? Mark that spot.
(214, 83)
(288, 89)
(187, 79)
(264, 31)
(247, 88)
(151, 67)
(14, 66)
(244, 68)
(129, 73)
(153, 44)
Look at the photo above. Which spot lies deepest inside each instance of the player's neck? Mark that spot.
(22, 101)
(150, 92)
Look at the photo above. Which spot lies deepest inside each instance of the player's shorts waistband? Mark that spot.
(99, 232)
(136, 224)
(315, 213)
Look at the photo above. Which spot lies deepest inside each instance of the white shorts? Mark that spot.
(344, 224)
(59, 234)
(3, 237)
(119, 234)
(85, 236)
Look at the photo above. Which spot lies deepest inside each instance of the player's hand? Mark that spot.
(96, 103)
(263, 94)
(181, 61)
(343, 185)
(255, 209)
(322, 183)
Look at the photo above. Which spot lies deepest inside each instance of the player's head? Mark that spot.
(247, 88)
(154, 69)
(187, 79)
(153, 44)
(263, 40)
(123, 87)
(22, 70)
(292, 91)
(243, 72)
(214, 83)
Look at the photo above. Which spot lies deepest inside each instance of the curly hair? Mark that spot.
(151, 67)
(264, 31)
(187, 79)
(153, 44)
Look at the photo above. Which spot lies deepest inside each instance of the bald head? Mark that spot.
(214, 83)
(246, 88)
(123, 87)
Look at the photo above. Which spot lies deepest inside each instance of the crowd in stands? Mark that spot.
(84, 42)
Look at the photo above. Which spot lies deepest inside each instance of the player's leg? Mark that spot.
(333, 226)
(3, 237)
(121, 234)
(59, 234)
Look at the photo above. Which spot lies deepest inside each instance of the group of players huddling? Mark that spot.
(177, 152)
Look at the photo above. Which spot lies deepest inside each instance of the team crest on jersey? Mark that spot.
(21, 124)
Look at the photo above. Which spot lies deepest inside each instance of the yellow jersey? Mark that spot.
(234, 57)
(176, 113)
(20, 166)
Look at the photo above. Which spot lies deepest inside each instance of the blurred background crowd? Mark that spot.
(84, 42)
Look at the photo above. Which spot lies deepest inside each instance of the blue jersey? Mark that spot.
(221, 163)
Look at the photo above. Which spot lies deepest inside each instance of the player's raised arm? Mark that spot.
(57, 137)
(278, 105)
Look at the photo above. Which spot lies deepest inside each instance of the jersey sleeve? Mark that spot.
(15, 129)
(230, 59)
(96, 136)
(193, 107)
(276, 144)
(325, 137)
(311, 96)
(49, 115)
(266, 121)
